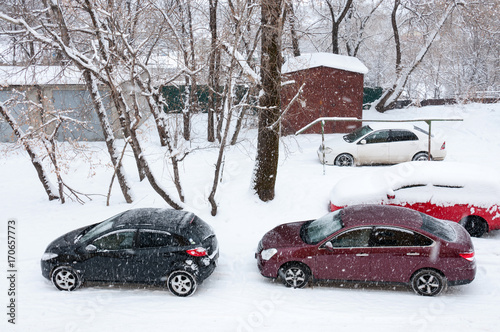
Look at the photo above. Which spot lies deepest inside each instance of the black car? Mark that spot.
(153, 246)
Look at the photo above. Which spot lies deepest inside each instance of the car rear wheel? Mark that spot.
(181, 283)
(344, 159)
(421, 156)
(65, 278)
(474, 225)
(295, 275)
(428, 283)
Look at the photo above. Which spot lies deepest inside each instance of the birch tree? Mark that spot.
(102, 64)
(49, 188)
(403, 72)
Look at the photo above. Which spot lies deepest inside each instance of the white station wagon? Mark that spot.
(381, 143)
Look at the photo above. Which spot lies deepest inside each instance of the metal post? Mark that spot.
(323, 143)
(429, 143)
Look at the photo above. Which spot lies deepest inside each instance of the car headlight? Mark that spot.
(48, 255)
(326, 150)
(268, 253)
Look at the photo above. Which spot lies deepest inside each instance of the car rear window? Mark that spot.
(422, 130)
(438, 228)
(197, 230)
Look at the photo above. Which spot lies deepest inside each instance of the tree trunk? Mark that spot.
(293, 31)
(35, 160)
(109, 137)
(213, 72)
(336, 23)
(266, 162)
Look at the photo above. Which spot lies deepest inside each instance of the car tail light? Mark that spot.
(443, 146)
(197, 252)
(468, 256)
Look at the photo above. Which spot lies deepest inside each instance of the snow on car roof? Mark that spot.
(444, 183)
(313, 60)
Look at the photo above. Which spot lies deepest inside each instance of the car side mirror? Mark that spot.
(362, 142)
(91, 248)
(329, 245)
(391, 196)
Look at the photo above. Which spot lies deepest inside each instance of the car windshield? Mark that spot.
(314, 231)
(95, 230)
(438, 227)
(357, 134)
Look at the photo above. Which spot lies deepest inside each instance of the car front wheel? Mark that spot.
(295, 275)
(181, 283)
(65, 278)
(428, 283)
(344, 159)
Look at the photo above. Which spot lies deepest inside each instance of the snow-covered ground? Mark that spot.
(236, 297)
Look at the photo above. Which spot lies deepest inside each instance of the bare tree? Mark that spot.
(357, 21)
(51, 191)
(242, 13)
(337, 15)
(266, 161)
(213, 72)
(102, 64)
(39, 139)
(388, 98)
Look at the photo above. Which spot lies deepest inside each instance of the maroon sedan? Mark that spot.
(370, 243)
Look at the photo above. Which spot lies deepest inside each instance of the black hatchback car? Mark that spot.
(153, 246)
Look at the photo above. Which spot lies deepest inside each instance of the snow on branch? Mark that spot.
(249, 72)
(294, 99)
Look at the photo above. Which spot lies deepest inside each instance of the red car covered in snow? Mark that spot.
(464, 193)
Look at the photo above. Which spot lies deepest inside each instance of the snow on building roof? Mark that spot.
(312, 60)
(39, 75)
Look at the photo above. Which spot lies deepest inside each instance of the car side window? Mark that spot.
(359, 237)
(153, 239)
(393, 237)
(381, 136)
(403, 135)
(116, 240)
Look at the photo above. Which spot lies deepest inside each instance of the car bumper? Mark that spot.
(206, 270)
(46, 268)
(268, 269)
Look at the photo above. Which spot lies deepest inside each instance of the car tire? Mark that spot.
(295, 275)
(344, 159)
(181, 283)
(474, 225)
(428, 282)
(421, 156)
(65, 278)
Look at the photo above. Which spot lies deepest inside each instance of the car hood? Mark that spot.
(286, 235)
(64, 242)
(336, 141)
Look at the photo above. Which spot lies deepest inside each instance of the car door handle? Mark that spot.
(362, 255)
(412, 254)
